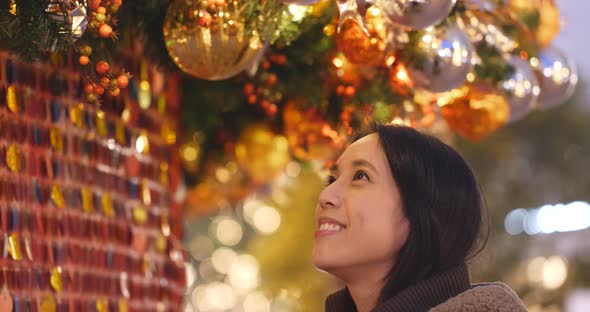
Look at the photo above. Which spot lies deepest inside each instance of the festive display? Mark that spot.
(87, 217)
(267, 86)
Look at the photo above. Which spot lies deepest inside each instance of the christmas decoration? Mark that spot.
(300, 2)
(73, 14)
(416, 14)
(447, 56)
(557, 76)
(542, 16)
(359, 48)
(354, 10)
(212, 47)
(521, 88)
(475, 111)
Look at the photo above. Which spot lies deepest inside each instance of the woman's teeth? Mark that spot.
(331, 227)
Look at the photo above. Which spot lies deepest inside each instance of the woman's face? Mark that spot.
(360, 220)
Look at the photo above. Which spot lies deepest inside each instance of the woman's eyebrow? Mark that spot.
(363, 163)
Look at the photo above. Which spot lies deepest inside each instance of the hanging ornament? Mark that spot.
(353, 10)
(75, 19)
(210, 43)
(445, 60)
(521, 88)
(261, 153)
(481, 5)
(557, 76)
(542, 17)
(309, 135)
(361, 48)
(416, 14)
(474, 111)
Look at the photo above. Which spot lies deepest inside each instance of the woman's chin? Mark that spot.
(324, 259)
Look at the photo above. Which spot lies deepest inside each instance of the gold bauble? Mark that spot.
(475, 111)
(309, 135)
(262, 153)
(543, 15)
(209, 46)
(360, 48)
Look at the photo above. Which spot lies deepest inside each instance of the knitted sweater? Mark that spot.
(445, 292)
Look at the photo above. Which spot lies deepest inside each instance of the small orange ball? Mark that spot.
(93, 4)
(99, 90)
(84, 60)
(252, 99)
(101, 10)
(115, 91)
(102, 67)
(105, 31)
(122, 81)
(117, 3)
(105, 81)
(88, 88)
(248, 88)
(271, 80)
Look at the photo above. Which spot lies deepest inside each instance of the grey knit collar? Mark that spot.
(420, 297)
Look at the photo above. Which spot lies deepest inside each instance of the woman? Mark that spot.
(400, 216)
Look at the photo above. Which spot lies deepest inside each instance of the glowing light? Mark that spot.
(554, 272)
(227, 231)
(338, 62)
(266, 219)
(298, 12)
(243, 274)
(220, 296)
(191, 274)
(142, 144)
(222, 259)
(574, 216)
(256, 302)
(190, 152)
(293, 169)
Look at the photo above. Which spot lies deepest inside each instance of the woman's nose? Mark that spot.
(330, 197)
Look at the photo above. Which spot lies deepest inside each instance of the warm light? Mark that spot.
(535, 269)
(191, 274)
(190, 152)
(402, 74)
(227, 231)
(243, 274)
(338, 62)
(200, 247)
(222, 174)
(256, 302)
(222, 259)
(221, 296)
(250, 207)
(297, 11)
(266, 219)
(554, 272)
(142, 143)
(293, 169)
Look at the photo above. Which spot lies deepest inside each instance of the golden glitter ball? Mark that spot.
(211, 48)
(475, 111)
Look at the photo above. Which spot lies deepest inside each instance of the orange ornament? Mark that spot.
(93, 4)
(105, 30)
(115, 92)
(360, 48)
(102, 67)
(475, 111)
(122, 81)
(99, 90)
(84, 60)
(101, 10)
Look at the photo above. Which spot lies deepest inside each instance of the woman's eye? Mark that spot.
(360, 175)
(331, 180)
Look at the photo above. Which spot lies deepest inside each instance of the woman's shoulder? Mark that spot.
(496, 297)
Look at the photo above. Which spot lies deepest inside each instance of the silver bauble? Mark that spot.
(416, 14)
(521, 88)
(557, 76)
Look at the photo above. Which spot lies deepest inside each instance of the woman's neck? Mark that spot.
(365, 285)
(365, 294)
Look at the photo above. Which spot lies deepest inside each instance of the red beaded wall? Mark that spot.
(88, 221)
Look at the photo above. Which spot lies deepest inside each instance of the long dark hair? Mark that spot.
(441, 199)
